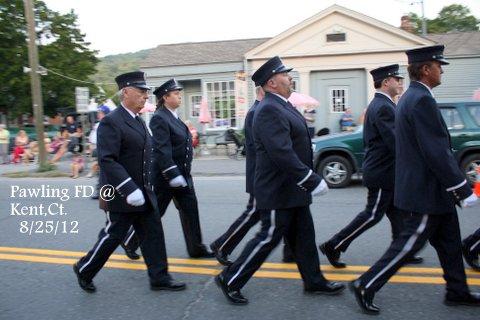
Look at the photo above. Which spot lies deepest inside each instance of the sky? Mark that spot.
(121, 26)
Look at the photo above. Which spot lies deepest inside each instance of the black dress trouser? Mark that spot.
(228, 241)
(185, 201)
(472, 242)
(296, 225)
(443, 232)
(148, 228)
(379, 202)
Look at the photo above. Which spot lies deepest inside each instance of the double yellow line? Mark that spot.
(422, 275)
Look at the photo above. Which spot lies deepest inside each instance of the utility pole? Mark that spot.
(424, 22)
(35, 83)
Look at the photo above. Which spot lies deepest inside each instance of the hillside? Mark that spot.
(111, 66)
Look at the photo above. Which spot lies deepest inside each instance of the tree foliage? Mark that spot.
(61, 47)
(454, 17)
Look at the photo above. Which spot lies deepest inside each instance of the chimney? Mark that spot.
(406, 24)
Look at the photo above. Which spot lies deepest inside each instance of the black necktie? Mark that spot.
(140, 121)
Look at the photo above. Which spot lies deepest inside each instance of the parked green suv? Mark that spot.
(337, 157)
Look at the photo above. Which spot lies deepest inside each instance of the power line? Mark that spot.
(78, 80)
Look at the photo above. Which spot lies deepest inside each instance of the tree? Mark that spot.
(454, 17)
(61, 47)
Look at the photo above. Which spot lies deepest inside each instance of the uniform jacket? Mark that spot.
(250, 148)
(284, 159)
(379, 142)
(124, 153)
(428, 178)
(172, 148)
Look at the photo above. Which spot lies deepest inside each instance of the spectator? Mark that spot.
(70, 124)
(34, 145)
(193, 132)
(21, 150)
(61, 145)
(77, 166)
(4, 144)
(346, 121)
(92, 138)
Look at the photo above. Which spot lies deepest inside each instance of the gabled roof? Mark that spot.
(193, 53)
(458, 43)
(387, 29)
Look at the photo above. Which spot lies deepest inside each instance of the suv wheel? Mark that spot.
(336, 170)
(469, 166)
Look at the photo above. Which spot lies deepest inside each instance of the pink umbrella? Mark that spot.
(476, 94)
(204, 116)
(302, 100)
(149, 107)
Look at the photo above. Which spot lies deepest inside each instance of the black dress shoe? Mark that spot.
(221, 256)
(471, 259)
(234, 296)
(168, 285)
(364, 298)
(85, 284)
(328, 288)
(203, 253)
(414, 260)
(332, 255)
(131, 254)
(472, 299)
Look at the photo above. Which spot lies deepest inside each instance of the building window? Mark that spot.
(336, 37)
(295, 85)
(221, 103)
(338, 99)
(195, 101)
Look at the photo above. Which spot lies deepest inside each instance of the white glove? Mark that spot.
(471, 201)
(321, 189)
(136, 198)
(178, 181)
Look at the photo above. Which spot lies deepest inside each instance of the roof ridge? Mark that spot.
(212, 41)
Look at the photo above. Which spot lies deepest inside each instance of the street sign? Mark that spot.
(82, 99)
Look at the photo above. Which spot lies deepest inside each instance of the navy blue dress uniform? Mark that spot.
(378, 171)
(428, 184)
(124, 153)
(172, 156)
(283, 183)
(227, 242)
(471, 250)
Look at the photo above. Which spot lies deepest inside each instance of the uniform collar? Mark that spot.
(129, 111)
(386, 95)
(281, 97)
(429, 90)
(174, 111)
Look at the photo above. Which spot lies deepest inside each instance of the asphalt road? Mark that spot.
(37, 282)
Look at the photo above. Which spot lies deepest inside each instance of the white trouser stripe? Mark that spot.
(474, 245)
(374, 210)
(109, 224)
(249, 215)
(405, 250)
(129, 237)
(258, 247)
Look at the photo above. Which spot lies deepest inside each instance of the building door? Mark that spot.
(337, 90)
